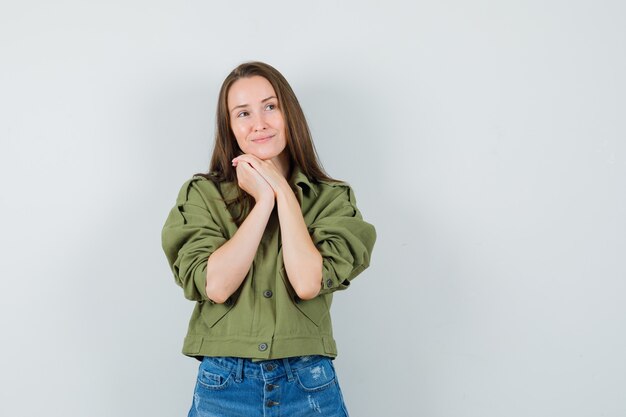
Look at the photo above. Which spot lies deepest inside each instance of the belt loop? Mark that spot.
(239, 370)
(288, 369)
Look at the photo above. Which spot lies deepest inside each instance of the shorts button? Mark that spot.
(271, 403)
(269, 367)
(263, 347)
(268, 294)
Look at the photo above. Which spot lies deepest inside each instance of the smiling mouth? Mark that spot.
(263, 139)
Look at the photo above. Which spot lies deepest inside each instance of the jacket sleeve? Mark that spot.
(190, 235)
(344, 240)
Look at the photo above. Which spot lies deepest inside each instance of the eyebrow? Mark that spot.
(245, 105)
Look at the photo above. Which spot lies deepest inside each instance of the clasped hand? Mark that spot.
(260, 178)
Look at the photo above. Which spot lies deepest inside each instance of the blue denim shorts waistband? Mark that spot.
(264, 369)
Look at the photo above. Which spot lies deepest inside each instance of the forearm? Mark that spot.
(228, 266)
(303, 262)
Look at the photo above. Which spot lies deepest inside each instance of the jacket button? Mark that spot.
(329, 282)
(268, 294)
(263, 347)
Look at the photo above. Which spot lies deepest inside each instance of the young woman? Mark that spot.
(260, 243)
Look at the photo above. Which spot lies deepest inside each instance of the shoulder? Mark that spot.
(333, 190)
(330, 186)
(198, 190)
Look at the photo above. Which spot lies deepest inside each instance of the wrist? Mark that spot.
(284, 190)
(266, 203)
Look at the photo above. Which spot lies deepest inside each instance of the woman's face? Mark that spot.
(255, 118)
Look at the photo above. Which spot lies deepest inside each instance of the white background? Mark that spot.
(485, 141)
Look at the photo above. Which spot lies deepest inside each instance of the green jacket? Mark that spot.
(264, 318)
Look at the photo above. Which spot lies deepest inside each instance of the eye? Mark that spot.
(242, 113)
(271, 106)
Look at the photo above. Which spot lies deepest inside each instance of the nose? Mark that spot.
(259, 122)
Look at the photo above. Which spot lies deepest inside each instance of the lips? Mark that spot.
(263, 139)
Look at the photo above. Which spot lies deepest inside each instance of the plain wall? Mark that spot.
(484, 140)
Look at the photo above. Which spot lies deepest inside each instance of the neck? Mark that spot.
(282, 162)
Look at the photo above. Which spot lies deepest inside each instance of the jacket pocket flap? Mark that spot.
(315, 309)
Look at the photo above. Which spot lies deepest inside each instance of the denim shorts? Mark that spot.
(296, 387)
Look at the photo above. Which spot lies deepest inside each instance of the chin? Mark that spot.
(265, 155)
(262, 155)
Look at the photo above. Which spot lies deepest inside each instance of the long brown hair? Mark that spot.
(299, 142)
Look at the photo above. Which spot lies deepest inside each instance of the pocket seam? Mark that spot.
(214, 387)
(316, 389)
(332, 381)
(301, 305)
(205, 371)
